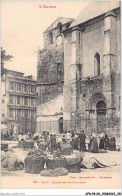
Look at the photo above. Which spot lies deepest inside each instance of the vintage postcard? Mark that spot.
(60, 94)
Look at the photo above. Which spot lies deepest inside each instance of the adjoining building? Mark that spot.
(91, 68)
(50, 116)
(18, 111)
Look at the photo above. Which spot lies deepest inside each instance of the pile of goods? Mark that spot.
(29, 144)
(56, 172)
(73, 163)
(57, 163)
(66, 149)
(34, 162)
(22, 144)
(92, 163)
(11, 162)
(42, 145)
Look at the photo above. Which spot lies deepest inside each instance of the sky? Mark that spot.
(22, 27)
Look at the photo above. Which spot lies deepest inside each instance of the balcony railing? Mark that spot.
(21, 119)
(22, 106)
(22, 93)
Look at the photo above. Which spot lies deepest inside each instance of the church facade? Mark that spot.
(85, 68)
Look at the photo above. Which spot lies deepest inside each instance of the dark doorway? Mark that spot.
(61, 125)
(101, 116)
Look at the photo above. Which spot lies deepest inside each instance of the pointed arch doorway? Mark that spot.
(101, 116)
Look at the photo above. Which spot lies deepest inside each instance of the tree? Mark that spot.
(4, 57)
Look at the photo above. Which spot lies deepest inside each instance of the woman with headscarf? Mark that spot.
(58, 142)
(75, 142)
(90, 142)
(94, 144)
(68, 137)
(106, 142)
(63, 139)
(102, 141)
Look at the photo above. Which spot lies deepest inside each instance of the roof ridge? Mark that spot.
(47, 103)
(95, 9)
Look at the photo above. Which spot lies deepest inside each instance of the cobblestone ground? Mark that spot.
(108, 177)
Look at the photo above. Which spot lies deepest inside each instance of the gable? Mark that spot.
(63, 20)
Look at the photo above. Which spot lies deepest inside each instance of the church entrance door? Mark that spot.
(101, 116)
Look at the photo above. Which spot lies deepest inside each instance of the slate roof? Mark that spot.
(94, 9)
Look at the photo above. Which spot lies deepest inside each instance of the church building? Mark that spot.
(78, 81)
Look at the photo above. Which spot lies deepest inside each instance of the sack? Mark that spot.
(73, 163)
(75, 168)
(30, 144)
(15, 164)
(61, 171)
(37, 152)
(55, 172)
(11, 162)
(57, 162)
(48, 173)
(28, 164)
(38, 164)
(66, 149)
(42, 146)
(34, 163)
(92, 163)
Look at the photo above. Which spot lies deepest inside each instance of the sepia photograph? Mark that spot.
(60, 94)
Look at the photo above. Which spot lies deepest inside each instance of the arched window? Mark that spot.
(50, 38)
(59, 25)
(97, 64)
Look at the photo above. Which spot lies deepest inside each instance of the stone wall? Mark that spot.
(48, 115)
(92, 43)
(70, 69)
(50, 75)
(101, 36)
(49, 61)
(50, 67)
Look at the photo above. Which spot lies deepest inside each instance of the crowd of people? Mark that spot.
(92, 143)
(78, 141)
